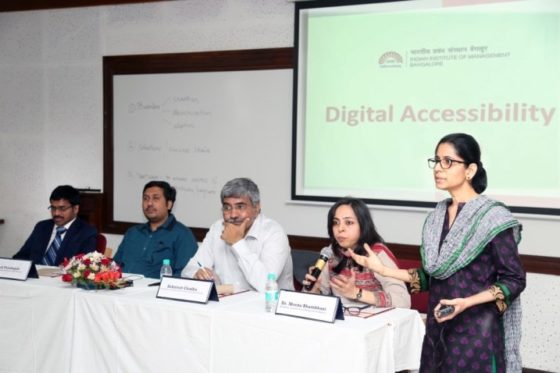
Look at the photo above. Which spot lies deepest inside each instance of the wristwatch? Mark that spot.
(359, 295)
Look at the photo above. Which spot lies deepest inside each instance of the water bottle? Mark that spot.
(271, 293)
(166, 269)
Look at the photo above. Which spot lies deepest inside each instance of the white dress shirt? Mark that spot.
(246, 264)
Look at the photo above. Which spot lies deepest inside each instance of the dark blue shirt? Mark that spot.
(142, 250)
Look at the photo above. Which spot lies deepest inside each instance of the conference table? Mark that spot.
(49, 326)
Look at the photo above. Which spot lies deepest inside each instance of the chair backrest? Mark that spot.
(302, 260)
(419, 301)
(101, 243)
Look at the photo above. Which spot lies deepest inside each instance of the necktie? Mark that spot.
(52, 251)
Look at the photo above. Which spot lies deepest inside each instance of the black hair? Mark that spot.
(169, 193)
(66, 192)
(468, 149)
(368, 233)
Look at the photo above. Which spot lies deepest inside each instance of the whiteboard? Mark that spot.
(197, 130)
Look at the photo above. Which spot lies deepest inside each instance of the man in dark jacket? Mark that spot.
(63, 236)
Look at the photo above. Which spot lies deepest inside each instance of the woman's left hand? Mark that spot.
(345, 286)
(459, 305)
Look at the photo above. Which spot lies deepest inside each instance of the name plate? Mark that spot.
(309, 306)
(187, 289)
(15, 269)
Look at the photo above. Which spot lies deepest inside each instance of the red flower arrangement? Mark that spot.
(93, 271)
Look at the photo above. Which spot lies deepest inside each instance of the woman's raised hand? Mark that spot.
(370, 261)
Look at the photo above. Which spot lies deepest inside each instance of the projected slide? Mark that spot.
(380, 84)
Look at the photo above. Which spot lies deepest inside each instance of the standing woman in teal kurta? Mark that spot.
(469, 261)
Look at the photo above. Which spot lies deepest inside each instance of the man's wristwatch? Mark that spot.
(359, 295)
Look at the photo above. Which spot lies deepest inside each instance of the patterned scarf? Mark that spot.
(479, 221)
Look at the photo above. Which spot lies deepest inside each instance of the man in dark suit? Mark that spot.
(63, 236)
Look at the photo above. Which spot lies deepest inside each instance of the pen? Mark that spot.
(380, 312)
(204, 269)
(227, 295)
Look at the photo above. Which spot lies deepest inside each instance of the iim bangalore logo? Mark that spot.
(390, 59)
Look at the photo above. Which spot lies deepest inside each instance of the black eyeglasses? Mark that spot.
(241, 207)
(59, 208)
(444, 162)
(355, 310)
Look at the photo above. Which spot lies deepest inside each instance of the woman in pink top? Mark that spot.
(350, 226)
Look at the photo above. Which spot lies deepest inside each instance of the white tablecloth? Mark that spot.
(48, 326)
(247, 338)
(35, 327)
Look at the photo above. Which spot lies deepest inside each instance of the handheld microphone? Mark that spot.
(317, 270)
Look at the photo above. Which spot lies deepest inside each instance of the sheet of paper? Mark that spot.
(50, 272)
